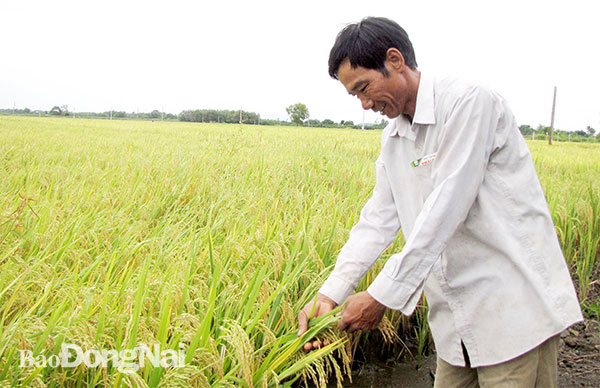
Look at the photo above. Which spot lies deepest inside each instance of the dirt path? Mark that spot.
(579, 358)
(403, 375)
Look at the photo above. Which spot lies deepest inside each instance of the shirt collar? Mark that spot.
(424, 110)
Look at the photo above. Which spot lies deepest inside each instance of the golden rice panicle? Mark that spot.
(241, 349)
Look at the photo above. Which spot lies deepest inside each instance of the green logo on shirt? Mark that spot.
(424, 160)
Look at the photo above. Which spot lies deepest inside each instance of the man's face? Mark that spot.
(385, 95)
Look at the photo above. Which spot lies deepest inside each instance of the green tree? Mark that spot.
(56, 111)
(526, 130)
(298, 113)
(591, 131)
(542, 129)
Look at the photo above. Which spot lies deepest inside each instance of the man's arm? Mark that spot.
(376, 229)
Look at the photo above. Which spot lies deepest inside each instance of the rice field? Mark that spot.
(204, 241)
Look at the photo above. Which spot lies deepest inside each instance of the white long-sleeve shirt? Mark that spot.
(460, 182)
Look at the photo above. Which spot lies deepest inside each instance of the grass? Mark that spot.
(116, 233)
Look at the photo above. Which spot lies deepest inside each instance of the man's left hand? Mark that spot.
(361, 312)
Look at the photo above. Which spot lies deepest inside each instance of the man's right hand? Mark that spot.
(323, 305)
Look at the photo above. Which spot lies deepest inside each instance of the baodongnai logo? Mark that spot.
(126, 360)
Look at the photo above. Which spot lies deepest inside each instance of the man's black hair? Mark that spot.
(366, 43)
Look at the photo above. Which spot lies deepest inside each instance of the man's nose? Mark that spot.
(366, 102)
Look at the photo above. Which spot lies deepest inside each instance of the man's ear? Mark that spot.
(395, 60)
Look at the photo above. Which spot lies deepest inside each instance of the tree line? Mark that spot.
(298, 116)
(197, 115)
(541, 133)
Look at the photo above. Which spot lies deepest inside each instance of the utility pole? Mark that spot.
(363, 124)
(552, 119)
(240, 115)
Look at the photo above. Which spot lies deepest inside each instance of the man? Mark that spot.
(456, 175)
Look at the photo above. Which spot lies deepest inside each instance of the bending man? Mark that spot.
(456, 175)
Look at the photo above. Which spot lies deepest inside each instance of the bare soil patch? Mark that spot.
(578, 364)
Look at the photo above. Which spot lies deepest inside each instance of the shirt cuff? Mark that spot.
(337, 289)
(394, 295)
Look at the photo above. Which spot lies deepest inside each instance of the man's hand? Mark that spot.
(361, 312)
(323, 305)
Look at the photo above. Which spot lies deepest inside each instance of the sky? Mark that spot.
(262, 56)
